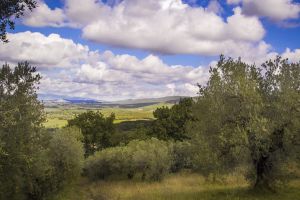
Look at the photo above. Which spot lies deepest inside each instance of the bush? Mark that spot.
(56, 165)
(151, 159)
(182, 156)
(106, 163)
(66, 154)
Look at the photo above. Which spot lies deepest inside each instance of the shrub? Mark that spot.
(105, 163)
(150, 158)
(66, 154)
(182, 156)
(57, 164)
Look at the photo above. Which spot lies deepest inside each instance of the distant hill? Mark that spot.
(82, 101)
(129, 103)
(169, 99)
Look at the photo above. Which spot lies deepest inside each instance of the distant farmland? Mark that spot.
(58, 115)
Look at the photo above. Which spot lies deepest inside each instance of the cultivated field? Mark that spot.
(57, 116)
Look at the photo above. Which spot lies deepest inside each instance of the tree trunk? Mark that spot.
(262, 170)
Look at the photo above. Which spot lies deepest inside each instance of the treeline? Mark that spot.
(246, 117)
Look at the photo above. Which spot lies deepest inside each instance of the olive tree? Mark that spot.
(21, 117)
(34, 163)
(250, 116)
(56, 164)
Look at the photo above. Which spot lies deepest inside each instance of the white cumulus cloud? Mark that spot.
(44, 51)
(160, 26)
(44, 16)
(276, 10)
(172, 27)
(292, 55)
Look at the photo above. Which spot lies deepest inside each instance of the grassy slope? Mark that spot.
(175, 187)
(57, 117)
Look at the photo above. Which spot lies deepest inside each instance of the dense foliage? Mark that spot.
(34, 163)
(57, 163)
(10, 10)
(131, 130)
(66, 156)
(249, 116)
(21, 116)
(182, 156)
(96, 129)
(150, 159)
(171, 123)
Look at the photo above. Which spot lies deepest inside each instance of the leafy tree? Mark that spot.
(10, 10)
(96, 129)
(66, 156)
(21, 115)
(34, 163)
(131, 130)
(171, 123)
(57, 164)
(249, 115)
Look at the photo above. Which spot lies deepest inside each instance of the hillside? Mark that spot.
(58, 113)
(128, 103)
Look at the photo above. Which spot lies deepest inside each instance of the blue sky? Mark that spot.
(116, 49)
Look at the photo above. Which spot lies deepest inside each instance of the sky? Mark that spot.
(127, 49)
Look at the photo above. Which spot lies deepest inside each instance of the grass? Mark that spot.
(57, 117)
(175, 187)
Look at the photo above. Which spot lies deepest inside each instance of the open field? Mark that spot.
(57, 116)
(175, 187)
